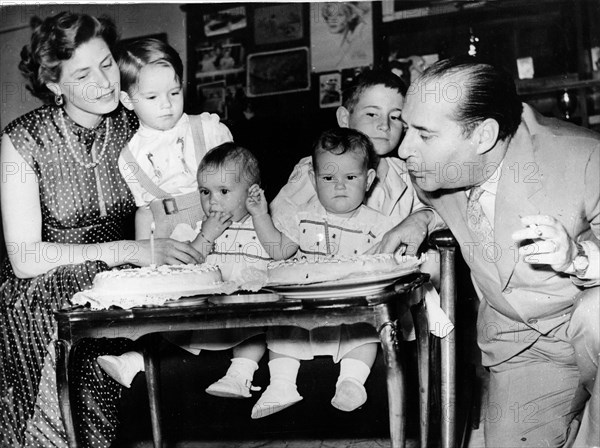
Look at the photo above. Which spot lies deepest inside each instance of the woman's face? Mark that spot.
(336, 16)
(89, 83)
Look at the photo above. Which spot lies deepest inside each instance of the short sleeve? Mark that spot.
(298, 191)
(288, 224)
(215, 132)
(184, 232)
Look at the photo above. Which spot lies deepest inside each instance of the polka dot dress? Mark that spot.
(80, 205)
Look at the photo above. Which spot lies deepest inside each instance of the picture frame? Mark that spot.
(341, 35)
(278, 23)
(216, 59)
(212, 97)
(225, 21)
(276, 72)
(330, 90)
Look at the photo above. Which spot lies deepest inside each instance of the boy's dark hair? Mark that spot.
(53, 41)
(339, 141)
(368, 79)
(489, 92)
(136, 55)
(230, 152)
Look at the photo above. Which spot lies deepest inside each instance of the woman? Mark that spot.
(64, 207)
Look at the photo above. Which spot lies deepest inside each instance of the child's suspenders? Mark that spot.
(164, 202)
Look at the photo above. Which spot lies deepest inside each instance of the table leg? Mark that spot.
(395, 384)
(63, 349)
(421, 322)
(448, 348)
(152, 366)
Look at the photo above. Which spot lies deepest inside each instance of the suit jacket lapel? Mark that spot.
(517, 195)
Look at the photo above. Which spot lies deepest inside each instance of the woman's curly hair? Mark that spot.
(53, 41)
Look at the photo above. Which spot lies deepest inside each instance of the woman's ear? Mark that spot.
(126, 100)
(371, 174)
(485, 135)
(342, 115)
(54, 88)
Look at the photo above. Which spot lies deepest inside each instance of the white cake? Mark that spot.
(302, 271)
(166, 279)
(127, 288)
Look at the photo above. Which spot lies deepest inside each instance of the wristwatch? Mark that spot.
(581, 261)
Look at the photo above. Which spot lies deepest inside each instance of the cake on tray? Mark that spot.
(127, 288)
(298, 271)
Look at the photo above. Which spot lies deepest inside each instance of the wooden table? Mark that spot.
(381, 310)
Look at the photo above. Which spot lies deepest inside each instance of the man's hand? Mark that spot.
(215, 225)
(551, 243)
(406, 237)
(256, 203)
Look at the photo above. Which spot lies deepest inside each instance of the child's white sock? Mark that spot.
(237, 382)
(282, 392)
(122, 368)
(350, 392)
(242, 368)
(353, 368)
(284, 369)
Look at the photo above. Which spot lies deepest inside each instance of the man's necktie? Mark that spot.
(476, 218)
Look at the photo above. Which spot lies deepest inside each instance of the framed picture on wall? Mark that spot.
(225, 21)
(216, 58)
(212, 98)
(341, 35)
(274, 72)
(275, 24)
(330, 90)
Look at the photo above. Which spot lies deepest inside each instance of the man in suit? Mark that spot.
(521, 194)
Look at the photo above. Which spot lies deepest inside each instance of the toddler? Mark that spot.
(160, 162)
(227, 239)
(335, 222)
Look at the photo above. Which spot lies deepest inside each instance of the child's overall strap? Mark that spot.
(170, 204)
(198, 136)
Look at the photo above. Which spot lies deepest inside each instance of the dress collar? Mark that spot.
(147, 132)
(83, 135)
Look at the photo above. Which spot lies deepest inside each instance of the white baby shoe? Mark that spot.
(350, 394)
(279, 395)
(122, 368)
(231, 387)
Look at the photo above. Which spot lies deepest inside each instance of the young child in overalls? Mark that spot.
(160, 162)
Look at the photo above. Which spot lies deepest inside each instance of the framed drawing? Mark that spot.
(274, 72)
(225, 21)
(341, 35)
(275, 24)
(212, 98)
(330, 90)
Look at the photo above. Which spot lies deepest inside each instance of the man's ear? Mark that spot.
(371, 174)
(485, 135)
(126, 100)
(343, 115)
(311, 176)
